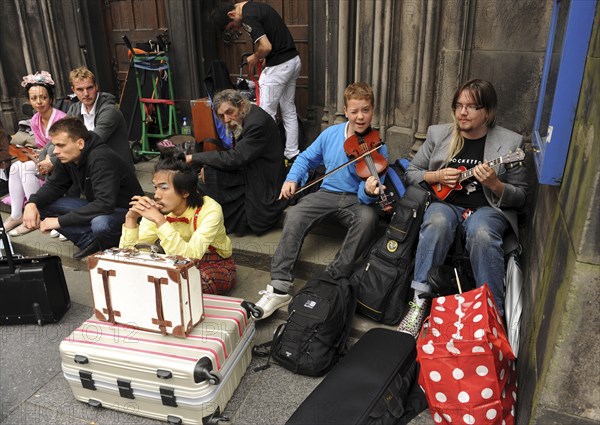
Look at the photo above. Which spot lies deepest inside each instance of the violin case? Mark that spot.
(383, 278)
(165, 378)
(146, 290)
(374, 383)
(32, 289)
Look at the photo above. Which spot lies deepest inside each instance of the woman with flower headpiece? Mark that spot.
(24, 179)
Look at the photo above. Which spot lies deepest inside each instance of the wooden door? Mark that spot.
(295, 15)
(140, 21)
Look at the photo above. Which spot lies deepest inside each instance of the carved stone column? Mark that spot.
(329, 57)
(342, 64)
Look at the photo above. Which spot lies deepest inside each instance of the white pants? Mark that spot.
(22, 183)
(278, 88)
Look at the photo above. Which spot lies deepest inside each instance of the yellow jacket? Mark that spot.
(181, 238)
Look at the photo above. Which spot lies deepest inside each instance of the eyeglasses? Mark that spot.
(470, 108)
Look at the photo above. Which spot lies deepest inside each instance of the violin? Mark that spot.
(371, 162)
(338, 168)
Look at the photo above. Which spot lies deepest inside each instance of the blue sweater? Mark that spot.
(328, 149)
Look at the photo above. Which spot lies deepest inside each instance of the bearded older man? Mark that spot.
(246, 179)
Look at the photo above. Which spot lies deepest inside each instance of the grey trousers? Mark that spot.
(361, 221)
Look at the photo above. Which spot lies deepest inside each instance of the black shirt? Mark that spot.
(260, 19)
(471, 195)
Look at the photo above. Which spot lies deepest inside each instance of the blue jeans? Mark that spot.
(361, 221)
(484, 230)
(106, 229)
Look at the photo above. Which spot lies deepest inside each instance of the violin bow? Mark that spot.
(338, 168)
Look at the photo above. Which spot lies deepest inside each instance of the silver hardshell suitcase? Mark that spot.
(178, 380)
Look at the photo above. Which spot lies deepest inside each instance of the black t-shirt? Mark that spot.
(259, 19)
(471, 195)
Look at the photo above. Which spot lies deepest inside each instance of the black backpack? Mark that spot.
(314, 336)
(383, 279)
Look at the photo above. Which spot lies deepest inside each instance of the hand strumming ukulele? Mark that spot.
(442, 191)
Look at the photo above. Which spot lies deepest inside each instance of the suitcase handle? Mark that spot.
(154, 249)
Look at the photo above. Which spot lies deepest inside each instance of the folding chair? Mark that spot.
(153, 65)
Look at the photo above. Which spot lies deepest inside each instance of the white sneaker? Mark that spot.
(54, 234)
(270, 301)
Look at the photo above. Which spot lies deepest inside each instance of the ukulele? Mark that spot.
(442, 191)
(22, 153)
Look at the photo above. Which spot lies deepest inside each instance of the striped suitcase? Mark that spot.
(181, 381)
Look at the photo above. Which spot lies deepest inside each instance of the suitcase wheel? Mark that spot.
(203, 372)
(252, 309)
(214, 379)
(215, 418)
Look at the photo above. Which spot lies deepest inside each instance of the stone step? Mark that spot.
(252, 254)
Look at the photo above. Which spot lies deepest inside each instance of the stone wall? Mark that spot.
(560, 362)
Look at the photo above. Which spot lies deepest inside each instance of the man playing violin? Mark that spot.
(343, 196)
(484, 210)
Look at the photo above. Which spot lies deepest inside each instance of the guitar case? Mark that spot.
(374, 384)
(32, 289)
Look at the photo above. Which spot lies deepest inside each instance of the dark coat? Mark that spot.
(104, 179)
(246, 180)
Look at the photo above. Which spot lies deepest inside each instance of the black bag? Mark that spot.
(384, 278)
(375, 383)
(442, 279)
(319, 322)
(33, 289)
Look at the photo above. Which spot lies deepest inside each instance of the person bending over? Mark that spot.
(274, 47)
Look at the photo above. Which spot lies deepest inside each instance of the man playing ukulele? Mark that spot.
(483, 208)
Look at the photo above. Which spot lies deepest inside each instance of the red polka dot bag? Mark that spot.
(468, 370)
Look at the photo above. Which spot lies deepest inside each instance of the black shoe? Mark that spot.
(88, 250)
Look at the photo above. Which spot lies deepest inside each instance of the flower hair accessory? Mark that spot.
(42, 77)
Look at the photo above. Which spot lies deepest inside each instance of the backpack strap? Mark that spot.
(211, 248)
(396, 180)
(403, 163)
(195, 219)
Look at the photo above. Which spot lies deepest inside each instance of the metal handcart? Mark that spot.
(160, 102)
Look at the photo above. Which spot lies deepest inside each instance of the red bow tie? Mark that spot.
(177, 219)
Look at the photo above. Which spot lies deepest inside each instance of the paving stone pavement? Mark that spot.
(33, 390)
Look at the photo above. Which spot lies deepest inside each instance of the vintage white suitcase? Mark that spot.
(166, 378)
(154, 292)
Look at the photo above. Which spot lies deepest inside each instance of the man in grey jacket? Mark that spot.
(483, 208)
(99, 113)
